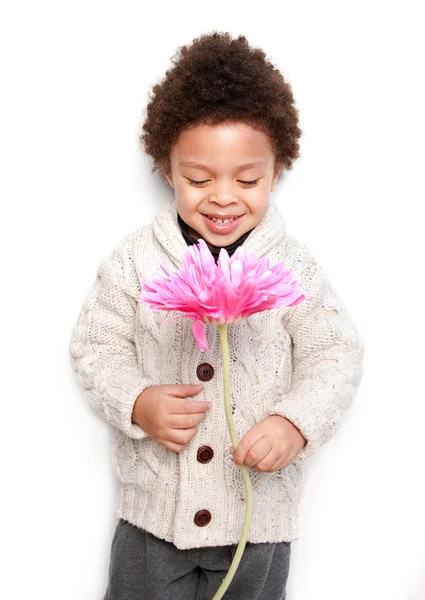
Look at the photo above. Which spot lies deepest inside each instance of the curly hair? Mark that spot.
(216, 80)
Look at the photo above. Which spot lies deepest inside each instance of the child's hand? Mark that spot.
(167, 416)
(270, 445)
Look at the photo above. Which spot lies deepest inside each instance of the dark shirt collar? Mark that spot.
(215, 250)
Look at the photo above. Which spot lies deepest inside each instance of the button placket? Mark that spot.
(204, 372)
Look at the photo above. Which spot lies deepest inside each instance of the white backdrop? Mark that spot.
(75, 78)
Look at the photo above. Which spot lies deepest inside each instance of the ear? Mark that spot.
(277, 172)
(169, 178)
(273, 183)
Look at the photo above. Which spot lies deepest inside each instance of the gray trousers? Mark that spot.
(144, 567)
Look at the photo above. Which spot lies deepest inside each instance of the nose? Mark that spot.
(222, 194)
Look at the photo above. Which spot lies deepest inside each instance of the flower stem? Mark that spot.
(222, 329)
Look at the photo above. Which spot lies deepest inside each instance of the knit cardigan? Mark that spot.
(303, 362)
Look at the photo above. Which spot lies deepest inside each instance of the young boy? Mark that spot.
(220, 127)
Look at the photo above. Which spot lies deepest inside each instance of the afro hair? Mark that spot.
(220, 79)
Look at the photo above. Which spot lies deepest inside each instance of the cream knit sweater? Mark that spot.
(303, 362)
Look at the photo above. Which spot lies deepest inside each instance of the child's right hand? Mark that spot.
(166, 414)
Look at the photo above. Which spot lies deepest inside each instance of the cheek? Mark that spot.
(187, 197)
(258, 205)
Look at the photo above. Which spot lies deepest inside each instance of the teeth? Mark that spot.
(221, 221)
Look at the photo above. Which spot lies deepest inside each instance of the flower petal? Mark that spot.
(199, 333)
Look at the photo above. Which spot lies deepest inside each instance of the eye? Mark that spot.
(253, 182)
(197, 182)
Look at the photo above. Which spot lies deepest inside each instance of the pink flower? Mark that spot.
(225, 292)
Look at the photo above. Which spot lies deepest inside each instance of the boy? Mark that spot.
(221, 127)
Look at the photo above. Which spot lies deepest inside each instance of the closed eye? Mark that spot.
(253, 182)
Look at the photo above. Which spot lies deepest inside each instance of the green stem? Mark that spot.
(222, 329)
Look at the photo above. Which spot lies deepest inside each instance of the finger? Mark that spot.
(184, 407)
(171, 445)
(258, 453)
(181, 436)
(266, 464)
(183, 390)
(244, 446)
(178, 421)
(281, 463)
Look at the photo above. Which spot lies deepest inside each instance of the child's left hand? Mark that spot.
(270, 445)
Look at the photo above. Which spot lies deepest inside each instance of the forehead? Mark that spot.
(238, 143)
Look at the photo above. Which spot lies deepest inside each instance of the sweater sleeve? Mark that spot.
(102, 348)
(327, 360)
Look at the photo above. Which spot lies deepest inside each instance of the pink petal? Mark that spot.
(199, 333)
(227, 291)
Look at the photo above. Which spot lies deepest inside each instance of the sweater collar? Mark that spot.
(269, 232)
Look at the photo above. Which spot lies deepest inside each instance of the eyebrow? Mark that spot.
(191, 163)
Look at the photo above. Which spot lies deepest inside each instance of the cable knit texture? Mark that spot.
(303, 362)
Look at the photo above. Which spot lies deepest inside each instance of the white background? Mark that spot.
(75, 78)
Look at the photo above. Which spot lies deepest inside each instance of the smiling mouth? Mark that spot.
(223, 221)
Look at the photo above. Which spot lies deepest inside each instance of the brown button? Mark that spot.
(202, 518)
(205, 372)
(205, 454)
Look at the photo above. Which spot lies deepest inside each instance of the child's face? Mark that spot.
(224, 154)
